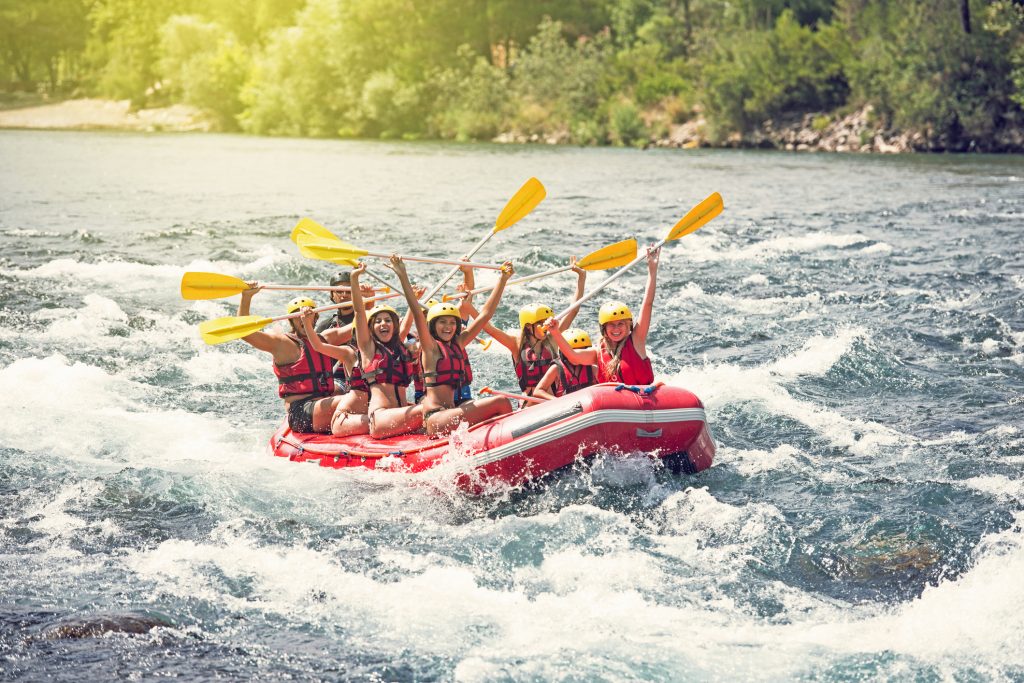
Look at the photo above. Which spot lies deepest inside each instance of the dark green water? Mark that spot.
(854, 325)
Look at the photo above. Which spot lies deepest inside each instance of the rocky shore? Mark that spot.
(860, 131)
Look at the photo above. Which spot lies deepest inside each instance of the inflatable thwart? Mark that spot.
(666, 421)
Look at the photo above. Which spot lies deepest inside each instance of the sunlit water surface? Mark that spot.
(853, 324)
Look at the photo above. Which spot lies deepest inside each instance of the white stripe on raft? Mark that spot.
(571, 426)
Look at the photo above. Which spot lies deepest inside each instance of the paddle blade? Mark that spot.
(308, 226)
(196, 286)
(324, 249)
(227, 329)
(612, 256)
(697, 217)
(523, 202)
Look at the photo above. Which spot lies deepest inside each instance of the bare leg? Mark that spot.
(470, 412)
(323, 413)
(385, 422)
(350, 415)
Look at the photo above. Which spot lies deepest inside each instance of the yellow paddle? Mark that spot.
(610, 256)
(696, 218)
(197, 285)
(227, 329)
(523, 202)
(335, 250)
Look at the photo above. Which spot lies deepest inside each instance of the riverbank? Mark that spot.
(97, 114)
(859, 131)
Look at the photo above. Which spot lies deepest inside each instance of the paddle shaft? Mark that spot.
(321, 309)
(390, 286)
(607, 281)
(520, 397)
(517, 281)
(427, 259)
(453, 271)
(310, 288)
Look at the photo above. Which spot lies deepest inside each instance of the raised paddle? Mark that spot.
(521, 397)
(523, 202)
(227, 329)
(197, 285)
(335, 250)
(611, 256)
(695, 219)
(308, 226)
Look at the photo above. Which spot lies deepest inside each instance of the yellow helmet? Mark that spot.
(442, 309)
(577, 338)
(381, 308)
(613, 310)
(300, 302)
(431, 302)
(534, 313)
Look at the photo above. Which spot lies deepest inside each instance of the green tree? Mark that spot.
(761, 74)
(205, 66)
(124, 45)
(41, 41)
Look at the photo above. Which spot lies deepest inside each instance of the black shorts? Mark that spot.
(300, 414)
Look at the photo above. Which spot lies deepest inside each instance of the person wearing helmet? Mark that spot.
(622, 355)
(337, 327)
(565, 377)
(444, 360)
(532, 351)
(304, 375)
(382, 374)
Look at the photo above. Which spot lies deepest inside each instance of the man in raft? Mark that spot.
(304, 376)
(337, 327)
(444, 360)
(622, 355)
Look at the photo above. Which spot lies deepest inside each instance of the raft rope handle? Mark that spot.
(646, 391)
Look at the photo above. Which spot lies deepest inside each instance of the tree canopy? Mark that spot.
(585, 71)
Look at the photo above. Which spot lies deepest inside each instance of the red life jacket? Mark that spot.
(452, 367)
(417, 377)
(310, 374)
(356, 382)
(632, 368)
(573, 377)
(388, 366)
(531, 367)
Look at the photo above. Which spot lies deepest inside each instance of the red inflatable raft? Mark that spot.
(665, 421)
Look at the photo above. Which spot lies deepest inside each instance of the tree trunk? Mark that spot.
(965, 15)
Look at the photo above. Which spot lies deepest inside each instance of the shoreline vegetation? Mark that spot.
(803, 75)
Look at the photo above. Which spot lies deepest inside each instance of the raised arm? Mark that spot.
(469, 334)
(342, 353)
(259, 339)
(574, 356)
(643, 321)
(504, 338)
(403, 329)
(581, 283)
(364, 340)
(418, 317)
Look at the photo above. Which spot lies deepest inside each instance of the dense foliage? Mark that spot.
(585, 71)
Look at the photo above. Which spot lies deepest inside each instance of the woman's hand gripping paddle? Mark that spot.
(230, 328)
(610, 256)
